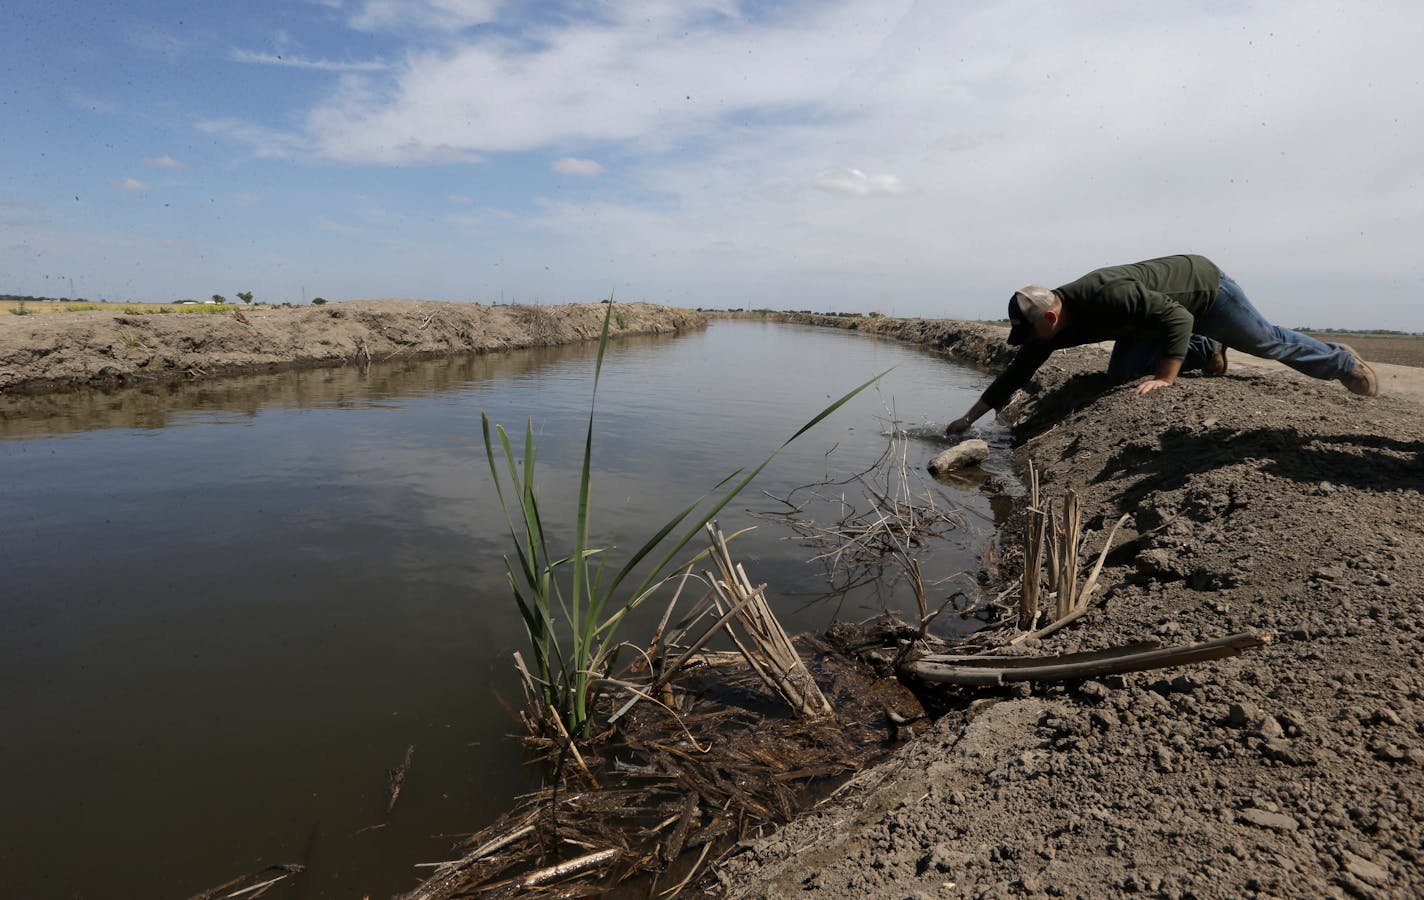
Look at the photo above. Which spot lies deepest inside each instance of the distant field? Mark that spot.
(50, 307)
(1396, 349)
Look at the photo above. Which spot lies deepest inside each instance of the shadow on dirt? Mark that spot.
(1361, 461)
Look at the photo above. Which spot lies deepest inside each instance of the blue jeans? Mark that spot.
(1233, 321)
(1132, 357)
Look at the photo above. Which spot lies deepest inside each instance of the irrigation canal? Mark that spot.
(229, 607)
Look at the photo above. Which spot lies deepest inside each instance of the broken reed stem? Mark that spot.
(1033, 555)
(285, 868)
(773, 657)
(1134, 658)
(259, 888)
(578, 757)
(694, 871)
(1050, 545)
(1068, 555)
(572, 867)
(1091, 583)
(1033, 567)
(670, 671)
(531, 692)
(1063, 547)
(397, 778)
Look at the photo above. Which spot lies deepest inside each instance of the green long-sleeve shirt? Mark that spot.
(1156, 298)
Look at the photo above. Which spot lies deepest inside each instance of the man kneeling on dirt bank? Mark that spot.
(1167, 316)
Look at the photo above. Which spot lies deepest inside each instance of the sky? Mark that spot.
(912, 158)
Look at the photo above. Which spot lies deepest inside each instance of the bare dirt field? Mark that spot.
(1256, 502)
(1392, 349)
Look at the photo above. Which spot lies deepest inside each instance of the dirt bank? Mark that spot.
(98, 348)
(1256, 501)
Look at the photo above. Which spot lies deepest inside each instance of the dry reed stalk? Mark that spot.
(1068, 554)
(1063, 546)
(285, 868)
(896, 527)
(1033, 568)
(691, 873)
(565, 869)
(1051, 545)
(1091, 583)
(1033, 555)
(771, 655)
(443, 882)
(671, 670)
(397, 777)
(531, 692)
(573, 747)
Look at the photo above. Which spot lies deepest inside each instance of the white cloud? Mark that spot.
(436, 15)
(572, 165)
(129, 184)
(461, 199)
(299, 62)
(268, 143)
(656, 74)
(165, 162)
(854, 181)
(1022, 140)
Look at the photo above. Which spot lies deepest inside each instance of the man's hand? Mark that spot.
(958, 426)
(1167, 370)
(1149, 386)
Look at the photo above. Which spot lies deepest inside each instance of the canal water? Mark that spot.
(228, 607)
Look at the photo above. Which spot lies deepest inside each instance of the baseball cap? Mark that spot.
(1027, 306)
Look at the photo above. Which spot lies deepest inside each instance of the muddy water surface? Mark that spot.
(229, 607)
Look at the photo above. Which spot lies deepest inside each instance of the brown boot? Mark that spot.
(1217, 364)
(1361, 379)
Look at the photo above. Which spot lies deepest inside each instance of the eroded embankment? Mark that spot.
(65, 350)
(1255, 501)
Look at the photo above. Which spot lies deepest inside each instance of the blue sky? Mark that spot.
(918, 158)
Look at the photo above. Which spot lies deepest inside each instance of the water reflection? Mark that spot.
(231, 605)
(166, 403)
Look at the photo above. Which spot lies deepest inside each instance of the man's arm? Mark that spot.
(1024, 364)
(1167, 370)
(961, 424)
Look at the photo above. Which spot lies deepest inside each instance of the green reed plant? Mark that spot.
(568, 604)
